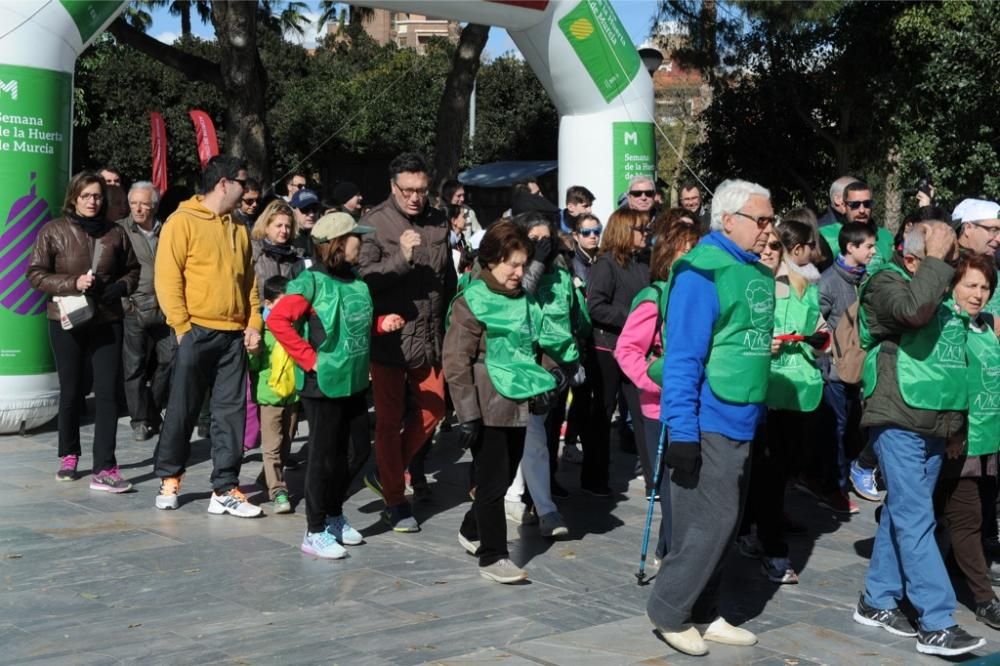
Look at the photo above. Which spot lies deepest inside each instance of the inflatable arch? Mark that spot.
(579, 50)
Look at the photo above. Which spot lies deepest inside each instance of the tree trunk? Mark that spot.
(893, 193)
(454, 108)
(184, 8)
(244, 83)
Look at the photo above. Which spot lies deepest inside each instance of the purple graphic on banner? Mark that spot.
(24, 220)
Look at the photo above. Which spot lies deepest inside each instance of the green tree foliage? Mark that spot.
(804, 92)
(351, 100)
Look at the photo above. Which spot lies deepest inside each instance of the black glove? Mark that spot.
(543, 248)
(818, 341)
(575, 373)
(468, 432)
(543, 402)
(685, 459)
(113, 292)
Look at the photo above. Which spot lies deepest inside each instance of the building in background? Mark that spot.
(406, 29)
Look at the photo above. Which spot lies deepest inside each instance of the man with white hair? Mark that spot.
(719, 324)
(144, 326)
(641, 194)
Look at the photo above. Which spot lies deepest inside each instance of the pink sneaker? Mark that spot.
(67, 469)
(110, 481)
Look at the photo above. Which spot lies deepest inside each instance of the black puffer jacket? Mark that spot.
(610, 292)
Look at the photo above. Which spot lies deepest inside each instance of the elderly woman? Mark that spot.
(971, 458)
(491, 354)
(82, 253)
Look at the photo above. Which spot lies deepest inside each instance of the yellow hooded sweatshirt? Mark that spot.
(204, 271)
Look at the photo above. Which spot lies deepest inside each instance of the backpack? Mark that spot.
(846, 352)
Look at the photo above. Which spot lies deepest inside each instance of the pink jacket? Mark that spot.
(630, 352)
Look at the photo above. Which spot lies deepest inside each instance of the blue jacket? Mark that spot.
(687, 404)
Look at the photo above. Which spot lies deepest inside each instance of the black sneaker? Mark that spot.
(989, 613)
(890, 619)
(558, 492)
(141, 432)
(597, 491)
(948, 642)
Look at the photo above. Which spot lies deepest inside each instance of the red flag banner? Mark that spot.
(208, 145)
(158, 139)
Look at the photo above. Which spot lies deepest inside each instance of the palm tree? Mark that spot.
(289, 20)
(329, 10)
(181, 8)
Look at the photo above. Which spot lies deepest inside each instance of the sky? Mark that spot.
(636, 16)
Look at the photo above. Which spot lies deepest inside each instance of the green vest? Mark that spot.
(930, 363)
(984, 392)
(513, 326)
(739, 359)
(992, 308)
(883, 244)
(345, 310)
(795, 383)
(656, 292)
(556, 296)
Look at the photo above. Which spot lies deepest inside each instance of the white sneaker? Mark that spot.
(503, 571)
(170, 488)
(519, 514)
(322, 545)
(688, 641)
(469, 545)
(721, 631)
(234, 503)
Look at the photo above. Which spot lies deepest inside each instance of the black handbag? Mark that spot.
(147, 310)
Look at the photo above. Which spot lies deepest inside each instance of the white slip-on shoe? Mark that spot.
(688, 641)
(721, 631)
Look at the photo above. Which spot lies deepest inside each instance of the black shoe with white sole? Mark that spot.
(890, 619)
(989, 613)
(948, 642)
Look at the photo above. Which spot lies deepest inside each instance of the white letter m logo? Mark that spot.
(10, 87)
(630, 137)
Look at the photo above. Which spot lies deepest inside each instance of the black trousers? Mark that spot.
(99, 346)
(146, 392)
(959, 506)
(769, 465)
(605, 378)
(206, 358)
(333, 422)
(495, 457)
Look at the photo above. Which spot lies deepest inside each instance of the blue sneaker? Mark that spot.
(322, 544)
(342, 531)
(863, 481)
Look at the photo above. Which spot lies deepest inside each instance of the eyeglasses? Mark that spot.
(409, 192)
(761, 221)
(854, 205)
(92, 197)
(992, 231)
(774, 246)
(596, 231)
(241, 181)
(251, 201)
(641, 193)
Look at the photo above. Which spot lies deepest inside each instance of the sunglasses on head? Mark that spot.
(854, 205)
(641, 193)
(596, 231)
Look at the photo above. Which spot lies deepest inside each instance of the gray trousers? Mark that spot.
(704, 521)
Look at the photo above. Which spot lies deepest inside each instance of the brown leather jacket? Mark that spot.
(469, 384)
(63, 252)
(418, 291)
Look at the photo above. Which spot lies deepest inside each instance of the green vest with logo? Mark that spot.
(930, 363)
(557, 298)
(345, 310)
(513, 326)
(984, 391)
(739, 359)
(795, 383)
(883, 244)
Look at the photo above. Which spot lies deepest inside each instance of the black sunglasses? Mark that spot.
(641, 193)
(774, 246)
(241, 181)
(854, 205)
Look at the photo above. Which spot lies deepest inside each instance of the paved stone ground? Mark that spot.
(88, 578)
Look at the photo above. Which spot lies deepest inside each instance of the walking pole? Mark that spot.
(641, 574)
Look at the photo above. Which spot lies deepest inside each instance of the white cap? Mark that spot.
(975, 210)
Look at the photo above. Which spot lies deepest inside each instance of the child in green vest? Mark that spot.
(272, 380)
(332, 375)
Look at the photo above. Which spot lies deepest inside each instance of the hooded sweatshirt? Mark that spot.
(204, 271)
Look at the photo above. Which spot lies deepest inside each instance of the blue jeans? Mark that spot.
(906, 559)
(840, 399)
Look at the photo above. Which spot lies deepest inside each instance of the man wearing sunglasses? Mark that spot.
(719, 323)
(858, 207)
(249, 206)
(408, 267)
(641, 195)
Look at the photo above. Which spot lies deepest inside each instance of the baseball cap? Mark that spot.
(303, 199)
(975, 210)
(335, 225)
